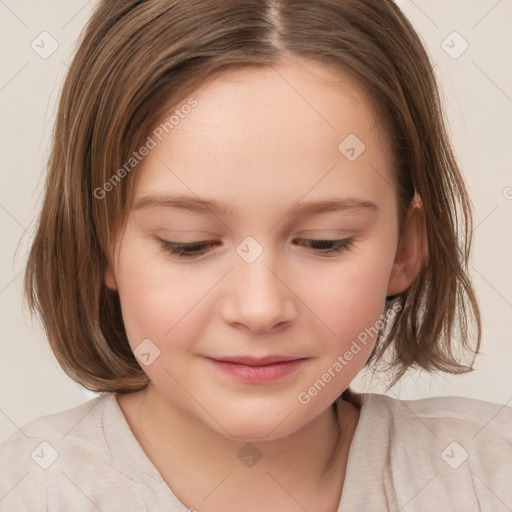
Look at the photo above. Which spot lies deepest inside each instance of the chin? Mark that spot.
(259, 423)
(258, 433)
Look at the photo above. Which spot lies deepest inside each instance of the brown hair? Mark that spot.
(137, 59)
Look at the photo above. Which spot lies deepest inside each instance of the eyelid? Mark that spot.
(179, 248)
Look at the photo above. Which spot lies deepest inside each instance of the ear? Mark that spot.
(412, 250)
(109, 275)
(110, 280)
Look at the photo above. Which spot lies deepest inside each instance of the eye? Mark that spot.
(331, 246)
(197, 248)
(185, 250)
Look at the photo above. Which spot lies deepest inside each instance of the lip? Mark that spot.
(257, 370)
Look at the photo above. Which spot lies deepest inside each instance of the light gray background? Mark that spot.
(477, 90)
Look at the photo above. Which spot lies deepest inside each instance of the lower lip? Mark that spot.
(258, 374)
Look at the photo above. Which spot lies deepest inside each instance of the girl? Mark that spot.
(247, 204)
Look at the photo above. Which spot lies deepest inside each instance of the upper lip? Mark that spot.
(255, 361)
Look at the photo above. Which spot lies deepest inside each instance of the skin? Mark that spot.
(260, 140)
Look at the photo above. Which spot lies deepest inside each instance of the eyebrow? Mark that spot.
(205, 205)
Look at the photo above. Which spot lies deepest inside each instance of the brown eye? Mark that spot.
(192, 249)
(186, 250)
(330, 246)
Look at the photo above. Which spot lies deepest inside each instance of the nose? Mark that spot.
(258, 297)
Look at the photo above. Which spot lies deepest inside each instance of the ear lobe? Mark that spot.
(110, 280)
(412, 250)
(109, 277)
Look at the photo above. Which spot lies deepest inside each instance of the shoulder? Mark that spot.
(76, 425)
(454, 414)
(28, 458)
(461, 446)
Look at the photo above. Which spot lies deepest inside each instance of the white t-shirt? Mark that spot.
(432, 454)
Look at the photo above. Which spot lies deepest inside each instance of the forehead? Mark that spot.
(302, 97)
(279, 129)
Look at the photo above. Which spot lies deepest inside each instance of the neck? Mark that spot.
(193, 459)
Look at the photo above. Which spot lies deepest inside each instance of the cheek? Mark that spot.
(158, 299)
(172, 303)
(350, 296)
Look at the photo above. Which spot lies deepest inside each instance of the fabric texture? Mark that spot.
(439, 453)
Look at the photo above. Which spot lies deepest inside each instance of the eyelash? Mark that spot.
(180, 249)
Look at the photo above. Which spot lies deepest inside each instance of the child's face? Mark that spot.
(262, 142)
